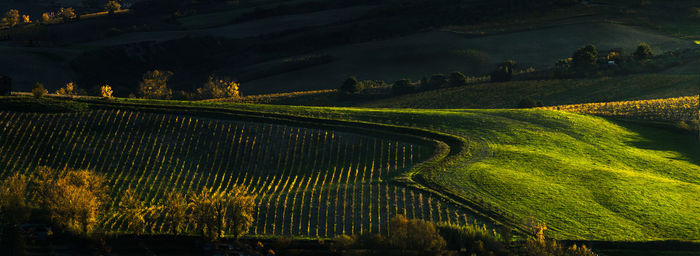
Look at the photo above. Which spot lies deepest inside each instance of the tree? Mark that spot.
(214, 212)
(239, 207)
(504, 72)
(643, 52)
(202, 214)
(12, 18)
(175, 207)
(585, 60)
(424, 84)
(112, 6)
(351, 86)
(343, 242)
(528, 102)
(5, 86)
(67, 14)
(155, 85)
(562, 69)
(46, 17)
(13, 200)
(437, 81)
(106, 91)
(74, 199)
(39, 91)
(216, 88)
(398, 232)
(457, 79)
(403, 86)
(69, 89)
(414, 234)
(133, 211)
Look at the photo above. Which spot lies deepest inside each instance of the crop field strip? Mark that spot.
(669, 109)
(309, 182)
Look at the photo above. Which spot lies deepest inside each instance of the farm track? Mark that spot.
(319, 178)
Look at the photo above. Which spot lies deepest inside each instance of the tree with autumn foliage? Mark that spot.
(175, 209)
(213, 213)
(12, 18)
(414, 234)
(133, 211)
(74, 199)
(112, 6)
(14, 209)
(216, 88)
(155, 85)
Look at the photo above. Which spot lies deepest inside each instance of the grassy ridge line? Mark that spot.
(447, 147)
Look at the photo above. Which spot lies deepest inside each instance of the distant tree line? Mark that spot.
(154, 85)
(404, 86)
(587, 61)
(13, 17)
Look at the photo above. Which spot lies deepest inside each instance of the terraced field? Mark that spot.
(310, 182)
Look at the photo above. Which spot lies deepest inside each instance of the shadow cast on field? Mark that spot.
(664, 137)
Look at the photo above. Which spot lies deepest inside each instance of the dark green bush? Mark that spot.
(351, 86)
(585, 60)
(403, 86)
(528, 102)
(457, 79)
(437, 81)
(504, 72)
(643, 52)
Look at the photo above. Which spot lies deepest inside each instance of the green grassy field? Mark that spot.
(586, 177)
(550, 92)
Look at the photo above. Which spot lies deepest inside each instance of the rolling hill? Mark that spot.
(587, 177)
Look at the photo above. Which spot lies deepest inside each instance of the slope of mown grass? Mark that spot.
(550, 92)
